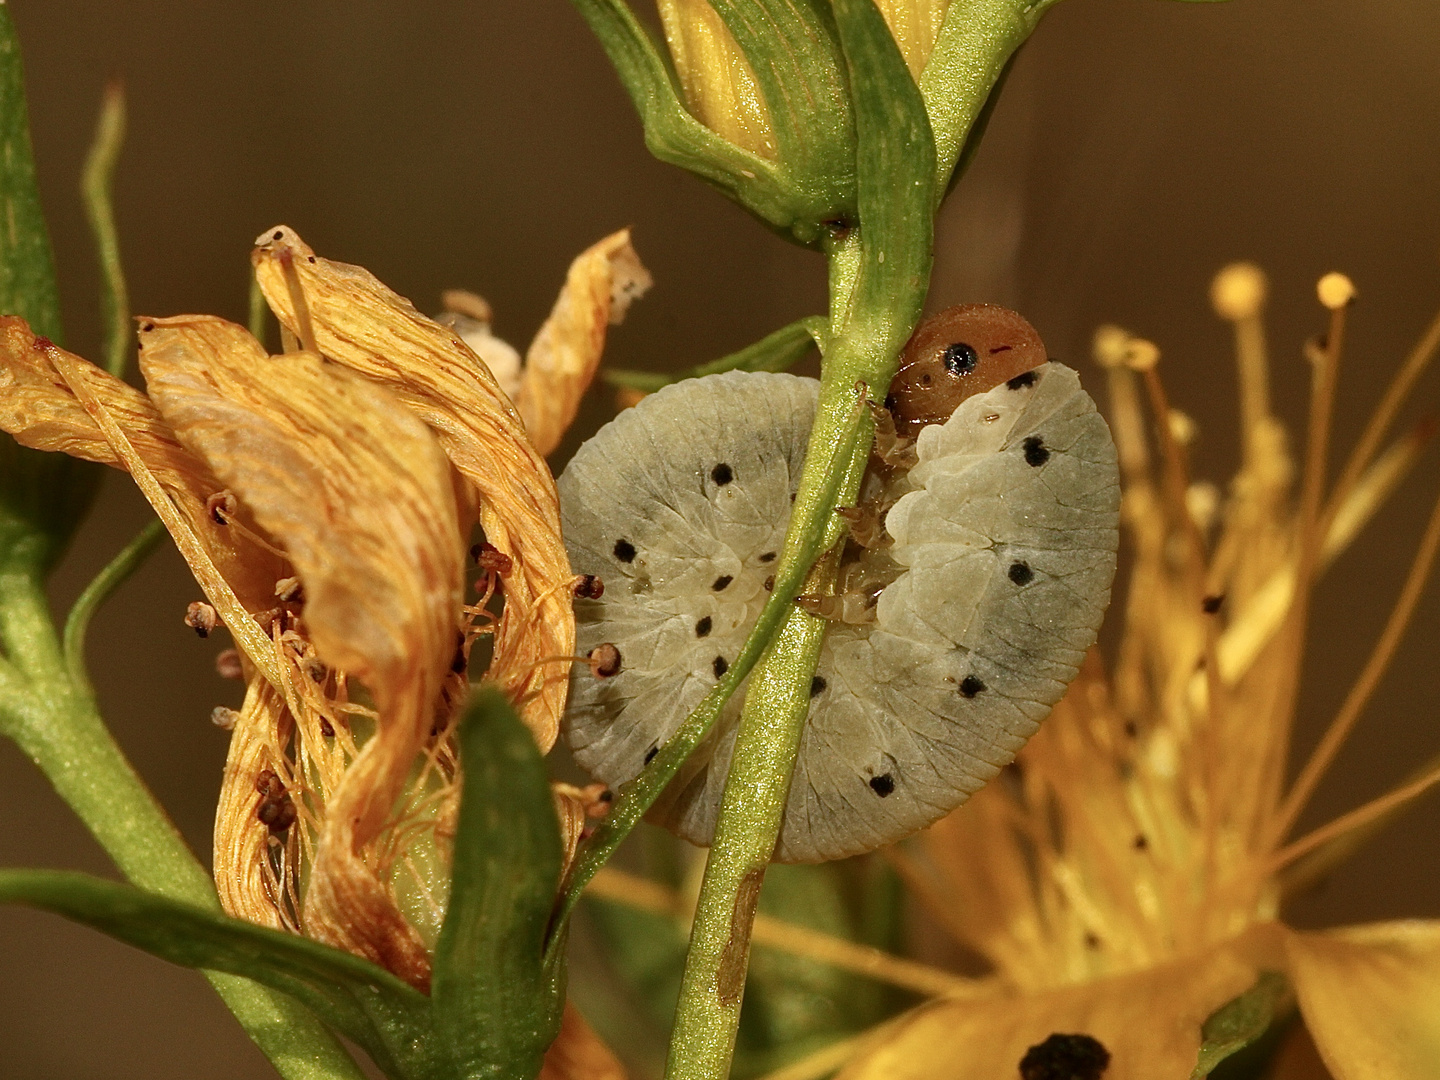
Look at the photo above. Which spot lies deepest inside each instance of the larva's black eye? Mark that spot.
(960, 358)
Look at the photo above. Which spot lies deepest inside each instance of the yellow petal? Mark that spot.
(39, 408)
(578, 1053)
(565, 353)
(719, 85)
(1149, 1022)
(916, 26)
(357, 491)
(359, 323)
(1370, 996)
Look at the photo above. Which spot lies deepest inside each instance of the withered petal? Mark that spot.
(578, 1053)
(359, 494)
(360, 324)
(562, 359)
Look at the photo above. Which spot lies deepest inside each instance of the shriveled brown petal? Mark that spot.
(358, 492)
(562, 359)
(359, 323)
(1148, 1021)
(248, 888)
(578, 1053)
(39, 408)
(1370, 996)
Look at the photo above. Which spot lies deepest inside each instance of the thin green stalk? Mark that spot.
(55, 724)
(130, 559)
(95, 188)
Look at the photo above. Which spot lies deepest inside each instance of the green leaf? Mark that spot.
(42, 496)
(675, 136)
(495, 1008)
(895, 166)
(779, 351)
(364, 1002)
(791, 48)
(1238, 1023)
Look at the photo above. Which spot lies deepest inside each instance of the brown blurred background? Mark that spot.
(1141, 145)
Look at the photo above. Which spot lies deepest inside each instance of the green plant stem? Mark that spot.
(55, 723)
(130, 558)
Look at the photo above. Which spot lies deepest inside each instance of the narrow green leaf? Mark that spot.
(675, 136)
(495, 1010)
(131, 557)
(1238, 1023)
(779, 351)
(895, 166)
(42, 496)
(362, 1001)
(792, 50)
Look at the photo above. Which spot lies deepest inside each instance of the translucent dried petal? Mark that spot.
(562, 359)
(39, 408)
(358, 492)
(362, 325)
(1149, 1022)
(1370, 996)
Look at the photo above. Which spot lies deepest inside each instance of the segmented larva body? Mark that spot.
(1004, 535)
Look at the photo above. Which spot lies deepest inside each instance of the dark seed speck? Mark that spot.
(722, 474)
(720, 666)
(650, 754)
(882, 785)
(1065, 1057)
(817, 686)
(722, 583)
(1021, 574)
(1035, 452)
(702, 628)
(970, 686)
(1024, 379)
(624, 551)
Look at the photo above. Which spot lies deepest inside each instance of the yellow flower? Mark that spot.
(1126, 879)
(324, 499)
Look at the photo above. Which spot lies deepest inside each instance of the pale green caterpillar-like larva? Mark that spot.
(1004, 536)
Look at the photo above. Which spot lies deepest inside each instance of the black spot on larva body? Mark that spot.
(1132, 730)
(722, 583)
(1024, 379)
(1092, 940)
(1021, 574)
(960, 358)
(702, 628)
(1141, 842)
(279, 235)
(720, 665)
(1035, 452)
(624, 551)
(722, 474)
(970, 686)
(148, 327)
(1000, 349)
(817, 686)
(882, 785)
(650, 754)
(1065, 1057)
(1211, 604)
(312, 258)
(769, 556)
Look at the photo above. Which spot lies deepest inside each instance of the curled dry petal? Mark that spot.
(358, 492)
(40, 409)
(561, 361)
(360, 324)
(248, 888)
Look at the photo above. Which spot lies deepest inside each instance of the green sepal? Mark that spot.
(778, 351)
(962, 77)
(895, 167)
(675, 136)
(364, 1002)
(791, 48)
(43, 496)
(497, 1010)
(1242, 1021)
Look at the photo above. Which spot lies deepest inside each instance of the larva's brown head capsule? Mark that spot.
(960, 352)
